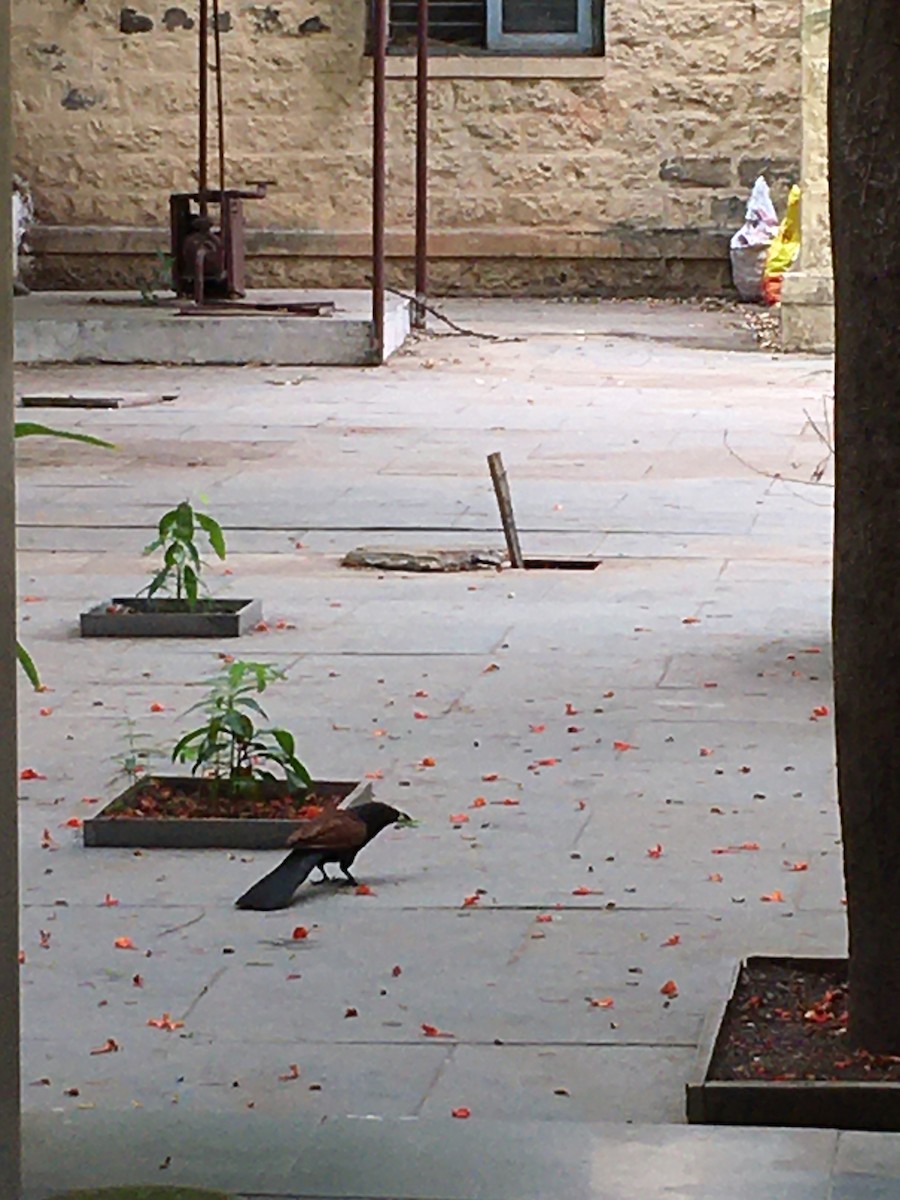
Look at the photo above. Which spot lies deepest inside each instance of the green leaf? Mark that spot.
(213, 531)
(35, 429)
(190, 584)
(284, 739)
(26, 662)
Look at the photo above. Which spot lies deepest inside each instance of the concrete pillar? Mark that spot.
(807, 302)
(10, 1112)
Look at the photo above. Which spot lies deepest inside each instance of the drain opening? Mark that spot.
(532, 563)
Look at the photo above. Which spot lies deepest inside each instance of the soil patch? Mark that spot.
(167, 800)
(784, 1023)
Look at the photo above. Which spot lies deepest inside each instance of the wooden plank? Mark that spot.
(504, 503)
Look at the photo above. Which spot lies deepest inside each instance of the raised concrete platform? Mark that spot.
(118, 327)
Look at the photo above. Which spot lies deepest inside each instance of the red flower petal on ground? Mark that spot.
(374, 774)
(157, 707)
(397, 972)
(300, 933)
(471, 901)
(30, 773)
(478, 802)
(461, 1114)
(72, 823)
(21, 957)
(363, 889)
(458, 818)
(165, 1022)
(571, 710)
(674, 939)
(690, 620)
(603, 1002)
(261, 627)
(797, 866)
(508, 802)
(45, 712)
(110, 1046)
(420, 716)
(33, 599)
(705, 752)
(821, 710)
(137, 981)
(773, 897)
(292, 1073)
(47, 842)
(748, 846)
(622, 746)
(490, 778)
(586, 891)
(420, 693)
(432, 1031)
(669, 988)
(124, 943)
(547, 762)
(428, 762)
(544, 918)
(655, 851)
(714, 877)
(537, 728)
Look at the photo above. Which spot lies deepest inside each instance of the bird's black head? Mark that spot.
(377, 816)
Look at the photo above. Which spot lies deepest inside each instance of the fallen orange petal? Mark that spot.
(537, 728)
(571, 710)
(714, 877)
(461, 1114)
(586, 891)
(300, 933)
(46, 712)
(47, 842)
(690, 620)
(124, 943)
(797, 866)
(821, 710)
(32, 599)
(775, 897)
(428, 762)
(705, 752)
(669, 988)
(478, 802)
(544, 918)
(603, 1002)
(432, 1031)
(471, 901)
(420, 693)
(72, 823)
(547, 762)
(374, 774)
(509, 802)
(672, 940)
(363, 889)
(490, 778)
(157, 707)
(655, 851)
(420, 716)
(165, 1022)
(110, 1046)
(622, 746)
(293, 1073)
(30, 773)
(458, 818)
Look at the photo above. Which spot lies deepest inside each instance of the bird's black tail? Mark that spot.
(276, 890)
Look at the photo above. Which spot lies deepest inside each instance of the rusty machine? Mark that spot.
(207, 247)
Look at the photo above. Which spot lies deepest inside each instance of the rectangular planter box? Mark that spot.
(203, 833)
(140, 617)
(805, 1103)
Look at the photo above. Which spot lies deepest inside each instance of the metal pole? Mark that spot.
(379, 54)
(504, 503)
(220, 99)
(202, 166)
(418, 316)
(10, 1110)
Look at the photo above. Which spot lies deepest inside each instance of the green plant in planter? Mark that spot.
(182, 566)
(23, 429)
(229, 748)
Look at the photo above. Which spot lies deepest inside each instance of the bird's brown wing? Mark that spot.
(334, 829)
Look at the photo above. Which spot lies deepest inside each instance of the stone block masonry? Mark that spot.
(618, 174)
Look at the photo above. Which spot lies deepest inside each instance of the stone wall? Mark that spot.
(573, 173)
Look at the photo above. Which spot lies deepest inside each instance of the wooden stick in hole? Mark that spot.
(504, 503)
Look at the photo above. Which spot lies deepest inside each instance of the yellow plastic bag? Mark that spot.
(784, 249)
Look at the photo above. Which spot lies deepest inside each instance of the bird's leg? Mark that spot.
(348, 876)
(325, 877)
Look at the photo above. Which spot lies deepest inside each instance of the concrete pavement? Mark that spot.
(701, 642)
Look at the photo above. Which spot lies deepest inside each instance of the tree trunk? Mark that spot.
(864, 136)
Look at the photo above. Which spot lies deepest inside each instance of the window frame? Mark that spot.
(582, 40)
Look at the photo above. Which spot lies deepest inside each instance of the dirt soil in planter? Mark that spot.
(160, 800)
(789, 1024)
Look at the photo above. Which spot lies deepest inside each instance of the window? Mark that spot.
(501, 26)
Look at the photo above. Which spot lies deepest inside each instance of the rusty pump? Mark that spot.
(208, 262)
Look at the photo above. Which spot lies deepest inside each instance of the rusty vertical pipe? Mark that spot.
(418, 316)
(202, 166)
(220, 97)
(379, 55)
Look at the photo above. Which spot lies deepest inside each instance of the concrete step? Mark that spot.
(370, 1158)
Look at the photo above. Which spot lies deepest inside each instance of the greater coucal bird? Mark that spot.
(333, 835)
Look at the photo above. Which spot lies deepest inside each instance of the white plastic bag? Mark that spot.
(750, 245)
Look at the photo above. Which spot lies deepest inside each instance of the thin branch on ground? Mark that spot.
(824, 436)
(457, 330)
(813, 482)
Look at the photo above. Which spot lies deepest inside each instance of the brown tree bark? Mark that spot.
(864, 146)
